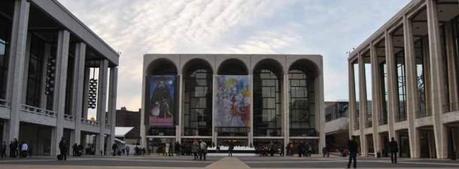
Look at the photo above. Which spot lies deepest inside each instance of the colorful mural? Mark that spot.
(232, 107)
(162, 100)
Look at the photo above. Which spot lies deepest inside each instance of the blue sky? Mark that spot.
(326, 27)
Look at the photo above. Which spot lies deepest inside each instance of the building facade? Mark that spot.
(53, 71)
(245, 99)
(127, 118)
(403, 83)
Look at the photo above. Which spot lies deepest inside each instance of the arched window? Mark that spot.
(302, 75)
(197, 107)
(161, 113)
(267, 117)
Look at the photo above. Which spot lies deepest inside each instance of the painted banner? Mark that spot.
(232, 107)
(162, 100)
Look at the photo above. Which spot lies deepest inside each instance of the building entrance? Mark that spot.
(404, 143)
(427, 142)
(453, 141)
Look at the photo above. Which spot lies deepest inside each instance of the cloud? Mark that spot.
(138, 27)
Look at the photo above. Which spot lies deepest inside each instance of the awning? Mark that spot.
(122, 131)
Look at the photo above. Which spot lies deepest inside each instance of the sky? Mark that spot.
(327, 27)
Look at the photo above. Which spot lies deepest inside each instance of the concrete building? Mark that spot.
(127, 118)
(53, 71)
(336, 125)
(248, 99)
(409, 70)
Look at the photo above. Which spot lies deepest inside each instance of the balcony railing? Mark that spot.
(68, 117)
(38, 111)
(3, 103)
(89, 122)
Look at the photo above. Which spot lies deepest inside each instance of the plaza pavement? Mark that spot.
(218, 162)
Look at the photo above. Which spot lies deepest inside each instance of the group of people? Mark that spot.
(118, 151)
(199, 150)
(353, 150)
(17, 149)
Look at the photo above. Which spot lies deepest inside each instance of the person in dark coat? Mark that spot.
(3, 150)
(352, 146)
(63, 148)
(230, 149)
(393, 151)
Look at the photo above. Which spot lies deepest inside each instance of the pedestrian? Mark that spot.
(114, 148)
(166, 149)
(301, 149)
(195, 149)
(171, 149)
(352, 146)
(393, 151)
(63, 148)
(230, 149)
(203, 152)
(177, 148)
(127, 150)
(3, 150)
(75, 149)
(24, 150)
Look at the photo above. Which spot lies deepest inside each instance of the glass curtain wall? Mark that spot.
(267, 103)
(421, 51)
(197, 111)
(369, 89)
(34, 77)
(401, 82)
(5, 33)
(385, 92)
(302, 115)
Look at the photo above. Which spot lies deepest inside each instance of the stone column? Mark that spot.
(286, 110)
(352, 102)
(412, 87)
(84, 112)
(63, 42)
(16, 64)
(392, 84)
(112, 89)
(78, 80)
(363, 106)
(438, 95)
(377, 97)
(101, 105)
(320, 109)
(143, 131)
(214, 97)
(179, 128)
(251, 110)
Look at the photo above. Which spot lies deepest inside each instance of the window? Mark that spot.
(5, 32)
(267, 103)
(302, 116)
(401, 79)
(34, 77)
(198, 103)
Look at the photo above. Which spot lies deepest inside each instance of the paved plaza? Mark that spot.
(215, 162)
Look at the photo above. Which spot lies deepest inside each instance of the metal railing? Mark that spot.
(89, 122)
(38, 111)
(3, 103)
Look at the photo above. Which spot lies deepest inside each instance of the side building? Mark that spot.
(129, 119)
(54, 71)
(243, 99)
(403, 83)
(336, 125)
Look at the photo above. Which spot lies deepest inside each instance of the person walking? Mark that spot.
(352, 146)
(14, 148)
(203, 148)
(393, 151)
(63, 148)
(195, 149)
(127, 150)
(166, 149)
(114, 149)
(230, 149)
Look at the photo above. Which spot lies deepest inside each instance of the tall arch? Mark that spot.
(302, 76)
(161, 112)
(197, 98)
(233, 67)
(267, 98)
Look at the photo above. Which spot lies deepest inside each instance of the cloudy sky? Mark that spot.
(326, 27)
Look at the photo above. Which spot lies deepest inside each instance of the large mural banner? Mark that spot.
(161, 100)
(232, 107)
